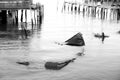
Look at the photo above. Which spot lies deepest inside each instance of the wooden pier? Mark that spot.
(105, 10)
(20, 15)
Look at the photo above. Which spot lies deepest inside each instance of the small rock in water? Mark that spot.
(24, 63)
(80, 54)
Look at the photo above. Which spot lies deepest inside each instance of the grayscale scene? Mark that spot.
(59, 39)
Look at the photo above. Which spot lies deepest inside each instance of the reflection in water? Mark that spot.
(13, 32)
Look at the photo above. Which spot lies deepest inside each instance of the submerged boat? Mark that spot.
(76, 40)
(57, 65)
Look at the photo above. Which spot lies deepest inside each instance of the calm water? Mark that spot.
(100, 62)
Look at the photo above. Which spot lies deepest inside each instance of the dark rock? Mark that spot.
(24, 63)
(80, 54)
(57, 65)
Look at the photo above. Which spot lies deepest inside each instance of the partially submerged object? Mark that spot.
(101, 35)
(24, 63)
(57, 65)
(76, 40)
(118, 32)
(80, 54)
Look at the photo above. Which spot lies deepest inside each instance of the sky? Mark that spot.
(50, 9)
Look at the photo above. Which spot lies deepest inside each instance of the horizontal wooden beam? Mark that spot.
(15, 4)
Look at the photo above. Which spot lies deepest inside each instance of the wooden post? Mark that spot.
(24, 32)
(17, 17)
(35, 17)
(31, 19)
(21, 23)
(26, 16)
(38, 18)
(21, 16)
(25, 28)
(26, 19)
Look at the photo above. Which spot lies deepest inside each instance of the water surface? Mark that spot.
(100, 62)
